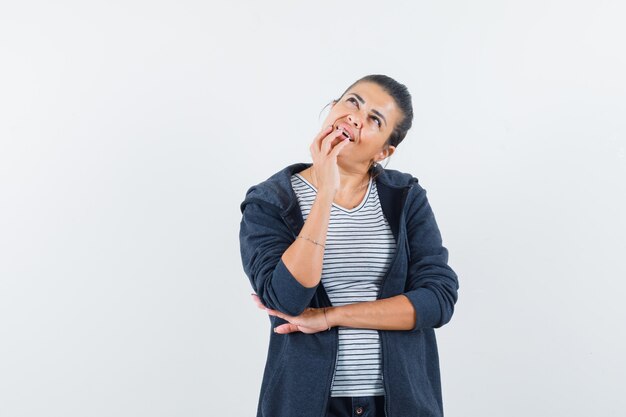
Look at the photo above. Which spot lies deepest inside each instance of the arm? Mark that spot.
(283, 272)
(304, 258)
(263, 238)
(431, 284)
(394, 313)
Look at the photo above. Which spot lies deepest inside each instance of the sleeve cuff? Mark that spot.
(288, 294)
(427, 308)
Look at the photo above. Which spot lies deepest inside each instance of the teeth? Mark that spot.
(345, 133)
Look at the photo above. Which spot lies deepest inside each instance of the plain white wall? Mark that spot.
(131, 130)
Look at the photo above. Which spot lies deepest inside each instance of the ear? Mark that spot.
(385, 153)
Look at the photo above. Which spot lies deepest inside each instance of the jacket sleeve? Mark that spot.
(431, 284)
(263, 238)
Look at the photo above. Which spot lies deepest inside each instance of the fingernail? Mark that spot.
(275, 330)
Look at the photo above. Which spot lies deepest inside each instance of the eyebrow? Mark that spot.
(358, 97)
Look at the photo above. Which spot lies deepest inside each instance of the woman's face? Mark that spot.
(368, 114)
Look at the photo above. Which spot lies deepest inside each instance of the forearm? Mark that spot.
(305, 259)
(394, 313)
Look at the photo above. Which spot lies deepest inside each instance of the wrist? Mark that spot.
(333, 316)
(325, 197)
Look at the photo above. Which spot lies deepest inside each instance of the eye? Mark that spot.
(377, 120)
(353, 101)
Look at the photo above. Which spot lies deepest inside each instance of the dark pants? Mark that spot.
(356, 406)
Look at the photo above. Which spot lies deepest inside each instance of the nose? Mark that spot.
(354, 120)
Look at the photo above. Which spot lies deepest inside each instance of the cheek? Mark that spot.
(329, 119)
(376, 134)
(338, 111)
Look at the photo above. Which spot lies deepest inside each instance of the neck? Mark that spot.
(353, 179)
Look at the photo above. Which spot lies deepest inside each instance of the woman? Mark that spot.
(347, 259)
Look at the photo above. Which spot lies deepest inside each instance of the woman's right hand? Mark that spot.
(324, 150)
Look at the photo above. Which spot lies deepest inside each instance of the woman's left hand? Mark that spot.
(312, 320)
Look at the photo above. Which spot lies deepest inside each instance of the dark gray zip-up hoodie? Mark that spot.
(299, 367)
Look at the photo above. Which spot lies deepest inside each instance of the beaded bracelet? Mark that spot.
(313, 241)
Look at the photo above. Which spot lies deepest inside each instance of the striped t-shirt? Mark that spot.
(359, 248)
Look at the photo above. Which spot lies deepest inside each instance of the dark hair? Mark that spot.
(401, 96)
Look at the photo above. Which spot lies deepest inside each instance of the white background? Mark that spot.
(131, 130)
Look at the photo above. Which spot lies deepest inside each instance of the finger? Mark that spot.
(315, 146)
(335, 151)
(286, 328)
(331, 140)
(257, 301)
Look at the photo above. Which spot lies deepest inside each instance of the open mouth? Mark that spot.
(345, 133)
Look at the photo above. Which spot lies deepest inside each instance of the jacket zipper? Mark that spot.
(381, 336)
(380, 292)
